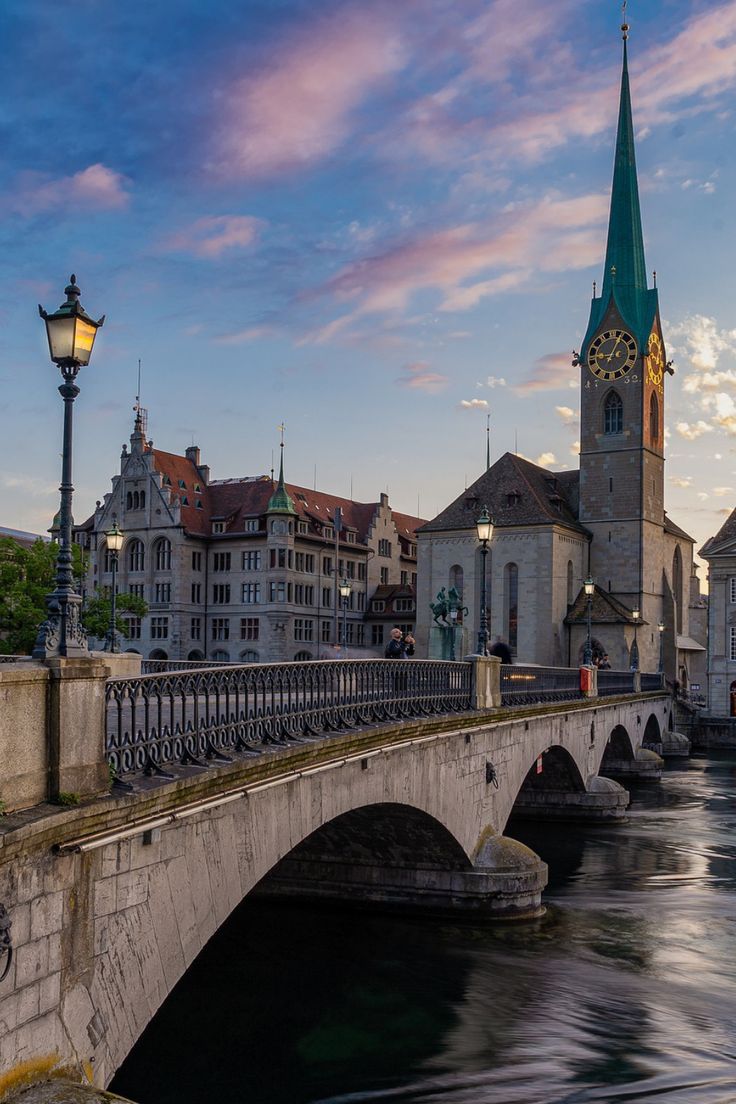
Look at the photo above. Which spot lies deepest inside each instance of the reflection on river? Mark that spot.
(625, 992)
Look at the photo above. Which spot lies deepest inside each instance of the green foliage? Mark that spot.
(96, 613)
(66, 797)
(27, 575)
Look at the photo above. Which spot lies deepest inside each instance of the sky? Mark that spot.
(375, 222)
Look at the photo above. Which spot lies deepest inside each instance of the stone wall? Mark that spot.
(24, 760)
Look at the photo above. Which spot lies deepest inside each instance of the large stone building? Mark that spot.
(720, 553)
(248, 569)
(607, 520)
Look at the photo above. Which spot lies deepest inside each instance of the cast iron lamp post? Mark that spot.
(636, 614)
(660, 630)
(453, 625)
(345, 589)
(484, 529)
(589, 588)
(71, 335)
(114, 538)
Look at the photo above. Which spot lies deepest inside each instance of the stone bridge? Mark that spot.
(111, 900)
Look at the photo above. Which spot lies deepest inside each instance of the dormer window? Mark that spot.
(218, 526)
(166, 482)
(198, 504)
(513, 498)
(184, 500)
(182, 485)
(197, 488)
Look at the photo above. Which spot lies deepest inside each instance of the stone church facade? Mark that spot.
(720, 553)
(607, 520)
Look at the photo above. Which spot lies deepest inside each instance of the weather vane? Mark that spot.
(624, 24)
(281, 429)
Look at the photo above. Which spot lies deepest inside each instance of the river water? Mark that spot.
(625, 992)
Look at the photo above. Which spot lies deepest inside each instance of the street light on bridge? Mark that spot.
(114, 538)
(589, 588)
(71, 335)
(636, 614)
(484, 529)
(345, 588)
(660, 630)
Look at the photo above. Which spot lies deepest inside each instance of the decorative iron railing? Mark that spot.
(528, 685)
(197, 716)
(163, 666)
(615, 682)
(651, 682)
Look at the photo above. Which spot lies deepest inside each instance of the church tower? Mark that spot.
(622, 367)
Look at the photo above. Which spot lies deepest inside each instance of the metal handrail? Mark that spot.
(615, 682)
(522, 684)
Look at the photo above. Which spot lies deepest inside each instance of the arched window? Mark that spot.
(105, 555)
(163, 555)
(456, 578)
(143, 499)
(613, 414)
(136, 556)
(195, 655)
(301, 657)
(249, 656)
(653, 419)
(677, 586)
(136, 500)
(129, 501)
(220, 656)
(570, 582)
(511, 604)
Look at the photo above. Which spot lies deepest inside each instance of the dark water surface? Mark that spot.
(625, 992)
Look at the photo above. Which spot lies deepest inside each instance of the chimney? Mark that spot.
(204, 472)
(192, 453)
(384, 499)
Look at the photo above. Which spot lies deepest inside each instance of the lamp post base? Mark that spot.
(61, 634)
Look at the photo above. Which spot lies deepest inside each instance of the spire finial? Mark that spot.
(624, 24)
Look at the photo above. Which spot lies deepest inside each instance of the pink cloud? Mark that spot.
(242, 337)
(94, 187)
(418, 377)
(298, 109)
(212, 235)
(550, 373)
(549, 236)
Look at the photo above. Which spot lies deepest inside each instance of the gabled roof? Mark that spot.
(604, 610)
(725, 534)
(516, 492)
(671, 527)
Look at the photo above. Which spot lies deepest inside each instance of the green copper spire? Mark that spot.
(625, 265)
(280, 502)
(625, 274)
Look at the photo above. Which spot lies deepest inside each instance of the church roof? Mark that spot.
(726, 533)
(516, 492)
(671, 527)
(604, 610)
(625, 273)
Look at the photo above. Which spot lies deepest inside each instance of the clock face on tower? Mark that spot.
(611, 354)
(655, 368)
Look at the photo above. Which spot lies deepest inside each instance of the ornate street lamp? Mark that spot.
(660, 630)
(71, 334)
(345, 588)
(484, 529)
(453, 624)
(114, 538)
(589, 588)
(636, 614)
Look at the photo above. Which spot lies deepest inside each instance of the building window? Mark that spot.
(384, 576)
(249, 656)
(570, 580)
(413, 578)
(196, 592)
(732, 650)
(732, 588)
(249, 628)
(280, 557)
(218, 526)
(384, 547)
(404, 605)
(350, 632)
(221, 561)
(251, 561)
(159, 628)
(326, 597)
(511, 604)
(251, 525)
(195, 628)
(376, 635)
(677, 587)
(404, 578)
(326, 632)
(220, 594)
(302, 657)
(303, 594)
(613, 414)
(378, 605)
(251, 594)
(196, 561)
(361, 572)
(327, 565)
(136, 556)
(220, 656)
(277, 592)
(303, 629)
(163, 555)
(220, 628)
(162, 593)
(132, 627)
(457, 580)
(137, 588)
(302, 528)
(305, 562)
(653, 418)
(360, 600)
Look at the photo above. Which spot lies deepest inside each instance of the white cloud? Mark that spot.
(691, 431)
(473, 404)
(545, 459)
(568, 415)
(678, 481)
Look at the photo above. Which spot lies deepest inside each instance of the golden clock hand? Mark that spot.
(613, 350)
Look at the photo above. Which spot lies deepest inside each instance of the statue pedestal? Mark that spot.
(441, 641)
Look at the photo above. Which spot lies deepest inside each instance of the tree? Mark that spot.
(96, 613)
(27, 575)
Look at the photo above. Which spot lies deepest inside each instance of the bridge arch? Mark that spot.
(618, 748)
(652, 731)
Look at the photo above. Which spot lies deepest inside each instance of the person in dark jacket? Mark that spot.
(399, 646)
(501, 649)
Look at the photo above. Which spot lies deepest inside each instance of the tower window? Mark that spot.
(613, 414)
(653, 419)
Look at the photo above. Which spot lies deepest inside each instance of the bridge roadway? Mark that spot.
(111, 902)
